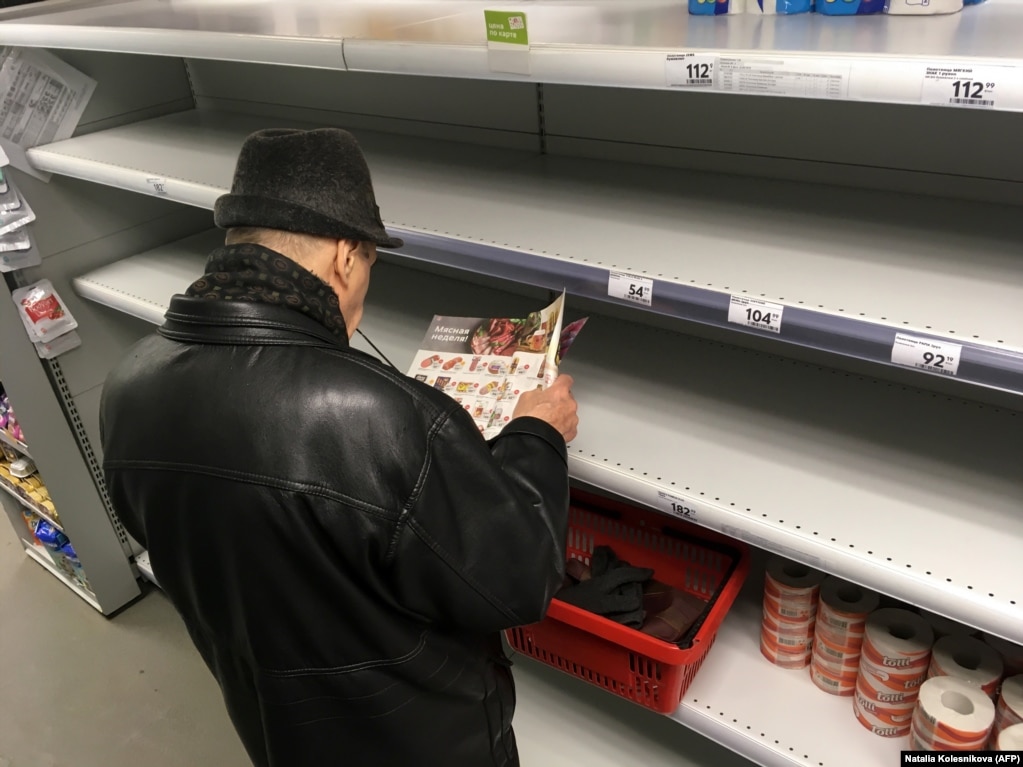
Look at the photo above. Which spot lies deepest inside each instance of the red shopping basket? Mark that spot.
(627, 662)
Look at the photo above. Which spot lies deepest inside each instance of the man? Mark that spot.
(342, 544)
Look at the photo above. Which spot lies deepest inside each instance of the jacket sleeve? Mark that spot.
(481, 545)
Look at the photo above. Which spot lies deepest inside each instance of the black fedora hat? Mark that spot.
(306, 181)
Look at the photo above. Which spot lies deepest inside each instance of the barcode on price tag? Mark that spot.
(689, 70)
(677, 507)
(983, 87)
(157, 185)
(631, 287)
(754, 313)
(926, 354)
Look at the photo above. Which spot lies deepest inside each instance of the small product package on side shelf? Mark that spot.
(44, 315)
(47, 350)
(12, 219)
(17, 251)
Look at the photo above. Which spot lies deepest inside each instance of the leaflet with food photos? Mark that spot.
(486, 364)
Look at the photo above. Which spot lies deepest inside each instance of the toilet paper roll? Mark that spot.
(831, 684)
(943, 627)
(898, 639)
(1011, 738)
(1012, 654)
(954, 711)
(878, 727)
(836, 651)
(787, 624)
(935, 741)
(886, 696)
(895, 717)
(969, 659)
(792, 579)
(848, 668)
(786, 642)
(783, 659)
(1009, 710)
(790, 610)
(847, 600)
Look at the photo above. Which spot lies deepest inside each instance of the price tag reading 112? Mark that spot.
(631, 287)
(754, 313)
(927, 354)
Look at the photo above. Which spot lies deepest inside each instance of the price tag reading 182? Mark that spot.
(631, 287)
(926, 354)
(677, 507)
(754, 313)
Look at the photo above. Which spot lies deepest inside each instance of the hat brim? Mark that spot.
(231, 210)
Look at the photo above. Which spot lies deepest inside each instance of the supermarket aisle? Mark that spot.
(79, 689)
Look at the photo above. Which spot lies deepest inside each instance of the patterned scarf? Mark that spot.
(248, 272)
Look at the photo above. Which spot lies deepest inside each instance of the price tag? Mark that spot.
(689, 70)
(631, 287)
(158, 185)
(754, 313)
(677, 507)
(965, 86)
(926, 354)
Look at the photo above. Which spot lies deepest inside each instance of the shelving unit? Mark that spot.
(736, 413)
(866, 219)
(567, 223)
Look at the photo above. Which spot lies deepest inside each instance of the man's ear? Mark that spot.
(344, 260)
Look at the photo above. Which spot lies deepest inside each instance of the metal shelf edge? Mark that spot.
(28, 505)
(21, 447)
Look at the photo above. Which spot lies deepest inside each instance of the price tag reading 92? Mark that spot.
(754, 313)
(630, 287)
(926, 354)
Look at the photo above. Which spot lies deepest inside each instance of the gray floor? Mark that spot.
(81, 690)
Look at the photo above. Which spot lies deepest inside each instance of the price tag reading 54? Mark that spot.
(754, 313)
(927, 354)
(631, 287)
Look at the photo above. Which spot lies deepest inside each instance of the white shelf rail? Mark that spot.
(697, 242)
(878, 483)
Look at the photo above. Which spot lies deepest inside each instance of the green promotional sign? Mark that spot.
(507, 27)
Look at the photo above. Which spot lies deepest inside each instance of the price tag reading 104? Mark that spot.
(630, 287)
(754, 313)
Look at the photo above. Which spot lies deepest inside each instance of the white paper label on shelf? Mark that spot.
(158, 186)
(977, 87)
(676, 506)
(926, 354)
(807, 78)
(631, 287)
(689, 70)
(755, 313)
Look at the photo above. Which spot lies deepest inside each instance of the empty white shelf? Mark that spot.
(614, 42)
(911, 493)
(938, 269)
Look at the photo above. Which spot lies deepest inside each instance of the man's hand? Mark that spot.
(555, 405)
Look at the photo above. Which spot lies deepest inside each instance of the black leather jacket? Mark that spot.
(342, 544)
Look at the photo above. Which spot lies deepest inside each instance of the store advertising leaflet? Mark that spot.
(486, 364)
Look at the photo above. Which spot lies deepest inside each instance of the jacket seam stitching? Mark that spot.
(443, 556)
(252, 478)
(354, 667)
(410, 502)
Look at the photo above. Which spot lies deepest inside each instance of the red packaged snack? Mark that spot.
(42, 311)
